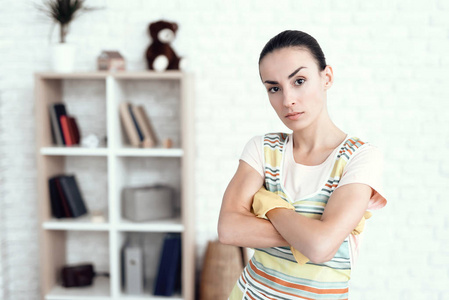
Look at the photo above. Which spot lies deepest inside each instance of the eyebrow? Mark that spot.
(289, 76)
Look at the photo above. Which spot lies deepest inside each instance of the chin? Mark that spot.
(295, 125)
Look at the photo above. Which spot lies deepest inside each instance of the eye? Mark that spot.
(273, 89)
(299, 81)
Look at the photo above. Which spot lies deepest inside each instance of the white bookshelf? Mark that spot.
(118, 157)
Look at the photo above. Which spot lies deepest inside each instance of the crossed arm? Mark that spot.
(319, 240)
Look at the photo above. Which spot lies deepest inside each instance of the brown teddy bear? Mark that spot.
(160, 56)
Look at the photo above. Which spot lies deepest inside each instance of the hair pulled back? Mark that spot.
(295, 38)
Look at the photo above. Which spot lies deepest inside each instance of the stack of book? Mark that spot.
(168, 279)
(65, 197)
(64, 128)
(137, 125)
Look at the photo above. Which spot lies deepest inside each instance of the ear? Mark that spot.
(328, 77)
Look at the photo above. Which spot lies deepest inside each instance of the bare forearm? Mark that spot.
(309, 236)
(246, 230)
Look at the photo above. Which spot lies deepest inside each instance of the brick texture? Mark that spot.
(388, 58)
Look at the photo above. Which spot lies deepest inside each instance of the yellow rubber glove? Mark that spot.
(300, 258)
(264, 201)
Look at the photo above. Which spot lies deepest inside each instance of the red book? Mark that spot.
(73, 126)
(66, 131)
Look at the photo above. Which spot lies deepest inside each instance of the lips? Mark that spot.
(294, 115)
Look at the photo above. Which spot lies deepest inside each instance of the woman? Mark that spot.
(300, 199)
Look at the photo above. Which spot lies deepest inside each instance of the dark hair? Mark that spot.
(295, 38)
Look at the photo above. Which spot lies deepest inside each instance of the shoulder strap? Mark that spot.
(344, 156)
(273, 149)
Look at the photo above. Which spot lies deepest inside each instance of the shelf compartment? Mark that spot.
(160, 100)
(74, 151)
(151, 244)
(170, 225)
(80, 223)
(100, 290)
(131, 172)
(72, 248)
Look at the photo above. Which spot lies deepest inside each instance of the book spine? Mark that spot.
(139, 131)
(60, 111)
(169, 266)
(147, 130)
(65, 204)
(56, 205)
(75, 129)
(128, 125)
(72, 195)
(66, 130)
(150, 126)
(55, 125)
(78, 196)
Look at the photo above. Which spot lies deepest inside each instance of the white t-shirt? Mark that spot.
(301, 181)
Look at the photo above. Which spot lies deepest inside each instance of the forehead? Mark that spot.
(286, 60)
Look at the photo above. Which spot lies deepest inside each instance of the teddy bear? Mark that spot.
(160, 55)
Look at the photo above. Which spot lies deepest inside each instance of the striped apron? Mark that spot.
(273, 273)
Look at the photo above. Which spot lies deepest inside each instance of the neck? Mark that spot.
(322, 134)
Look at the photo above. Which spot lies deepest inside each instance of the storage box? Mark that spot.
(133, 270)
(111, 61)
(147, 203)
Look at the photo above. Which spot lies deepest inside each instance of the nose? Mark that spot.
(289, 98)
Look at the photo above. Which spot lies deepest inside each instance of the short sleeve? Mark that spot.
(366, 166)
(252, 154)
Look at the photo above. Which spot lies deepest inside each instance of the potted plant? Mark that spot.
(63, 12)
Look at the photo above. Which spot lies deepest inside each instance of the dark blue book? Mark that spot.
(139, 130)
(57, 209)
(73, 195)
(168, 276)
(58, 111)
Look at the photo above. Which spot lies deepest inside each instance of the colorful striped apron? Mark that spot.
(273, 273)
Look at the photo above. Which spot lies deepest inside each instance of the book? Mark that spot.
(149, 136)
(56, 111)
(62, 198)
(133, 117)
(128, 124)
(57, 210)
(68, 135)
(73, 195)
(70, 130)
(73, 125)
(168, 276)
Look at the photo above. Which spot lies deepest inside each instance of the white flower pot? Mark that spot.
(63, 57)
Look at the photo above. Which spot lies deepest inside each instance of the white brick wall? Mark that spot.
(390, 88)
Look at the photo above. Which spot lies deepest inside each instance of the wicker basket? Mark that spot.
(221, 269)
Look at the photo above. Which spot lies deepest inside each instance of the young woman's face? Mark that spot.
(295, 85)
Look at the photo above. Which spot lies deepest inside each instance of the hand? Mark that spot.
(264, 201)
